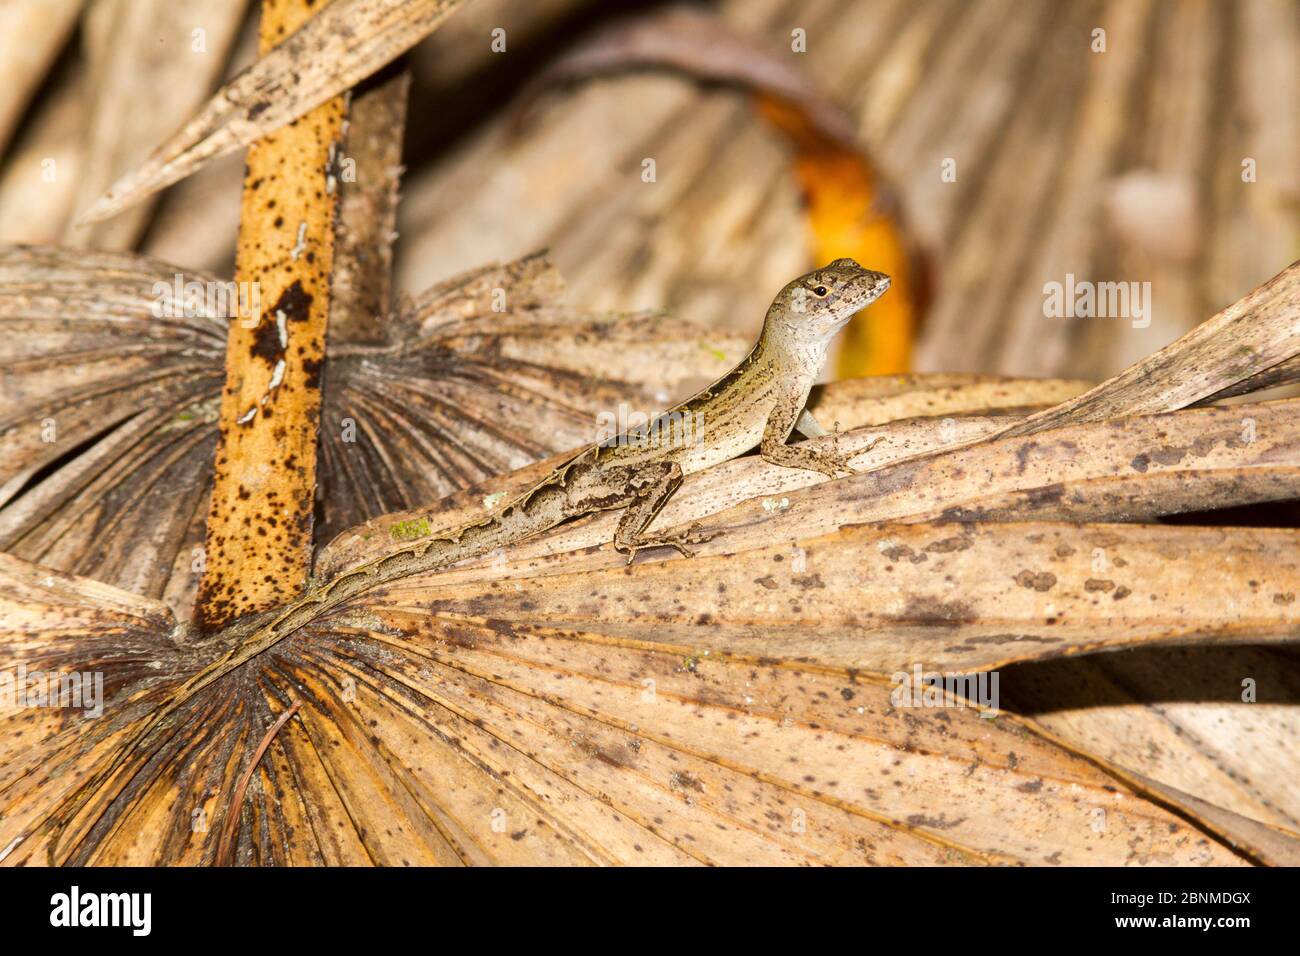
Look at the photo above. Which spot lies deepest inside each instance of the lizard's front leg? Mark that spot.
(780, 422)
(651, 486)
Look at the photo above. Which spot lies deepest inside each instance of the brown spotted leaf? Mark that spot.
(1200, 718)
(435, 739)
(882, 598)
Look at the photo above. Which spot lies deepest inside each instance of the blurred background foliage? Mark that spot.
(1125, 164)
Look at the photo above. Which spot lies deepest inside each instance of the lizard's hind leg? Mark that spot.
(653, 485)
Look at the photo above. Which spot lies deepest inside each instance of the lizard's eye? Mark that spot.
(820, 291)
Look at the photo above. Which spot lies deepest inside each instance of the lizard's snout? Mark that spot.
(877, 284)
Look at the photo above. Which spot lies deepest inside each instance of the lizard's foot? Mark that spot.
(836, 460)
(680, 541)
(838, 463)
(833, 465)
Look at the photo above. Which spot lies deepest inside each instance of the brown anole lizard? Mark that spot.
(758, 403)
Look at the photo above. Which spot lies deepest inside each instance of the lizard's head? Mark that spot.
(811, 309)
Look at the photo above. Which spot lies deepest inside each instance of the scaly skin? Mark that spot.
(759, 402)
